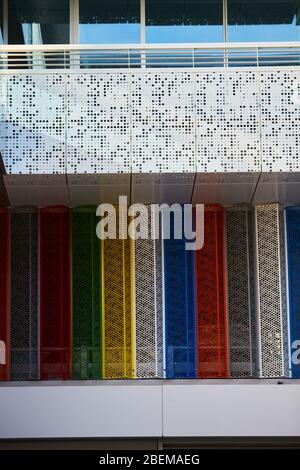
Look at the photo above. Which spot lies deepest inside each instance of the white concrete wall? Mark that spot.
(150, 409)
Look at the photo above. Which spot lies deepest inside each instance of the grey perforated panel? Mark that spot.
(98, 123)
(271, 285)
(280, 112)
(228, 134)
(148, 306)
(24, 294)
(240, 292)
(34, 129)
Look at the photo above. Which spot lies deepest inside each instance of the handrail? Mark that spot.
(192, 55)
(139, 46)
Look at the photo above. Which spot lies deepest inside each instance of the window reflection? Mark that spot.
(109, 21)
(38, 21)
(172, 21)
(263, 20)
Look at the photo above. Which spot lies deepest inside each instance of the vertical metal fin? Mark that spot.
(272, 296)
(55, 290)
(86, 289)
(211, 297)
(240, 291)
(180, 313)
(24, 294)
(118, 334)
(4, 292)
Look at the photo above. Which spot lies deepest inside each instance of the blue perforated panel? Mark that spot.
(293, 244)
(180, 309)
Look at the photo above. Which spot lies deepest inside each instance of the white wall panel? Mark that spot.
(98, 123)
(280, 118)
(228, 128)
(150, 121)
(163, 119)
(34, 129)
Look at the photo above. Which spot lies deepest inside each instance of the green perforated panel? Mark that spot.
(86, 268)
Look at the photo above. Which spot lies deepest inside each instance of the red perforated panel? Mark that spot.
(55, 311)
(212, 350)
(4, 282)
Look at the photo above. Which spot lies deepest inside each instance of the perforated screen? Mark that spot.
(55, 292)
(118, 327)
(86, 279)
(211, 303)
(293, 245)
(240, 290)
(180, 313)
(24, 294)
(271, 284)
(4, 281)
(148, 304)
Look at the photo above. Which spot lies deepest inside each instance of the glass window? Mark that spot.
(1, 21)
(109, 21)
(263, 20)
(38, 22)
(169, 21)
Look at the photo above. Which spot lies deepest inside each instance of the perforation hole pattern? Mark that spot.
(24, 294)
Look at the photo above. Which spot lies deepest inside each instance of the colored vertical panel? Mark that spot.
(86, 319)
(55, 291)
(293, 252)
(240, 291)
(118, 305)
(148, 302)
(272, 293)
(212, 350)
(4, 283)
(24, 294)
(179, 300)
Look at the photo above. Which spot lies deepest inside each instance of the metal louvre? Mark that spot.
(212, 348)
(293, 258)
(24, 294)
(118, 327)
(4, 283)
(86, 305)
(271, 285)
(179, 306)
(148, 304)
(240, 291)
(55, 311)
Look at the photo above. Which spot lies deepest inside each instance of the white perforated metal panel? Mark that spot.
(150, 121)
(98, 123)
(271, 287)
(163, 117)
(240, 292)
(34, 129)
(280, 111)
(148, 305)
(227, 121)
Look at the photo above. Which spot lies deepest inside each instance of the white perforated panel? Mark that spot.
(34, 129)
(271, 287)
(148, 306)
(98, 123)
(163, 117)
(280, 110)
(150, 121)
(227, 121)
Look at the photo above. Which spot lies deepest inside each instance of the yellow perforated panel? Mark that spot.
(118, 326)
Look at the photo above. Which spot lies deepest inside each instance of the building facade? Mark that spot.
(187, 102)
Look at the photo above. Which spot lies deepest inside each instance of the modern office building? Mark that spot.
(143, 343)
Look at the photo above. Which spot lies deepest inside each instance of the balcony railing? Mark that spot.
(149, 56)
